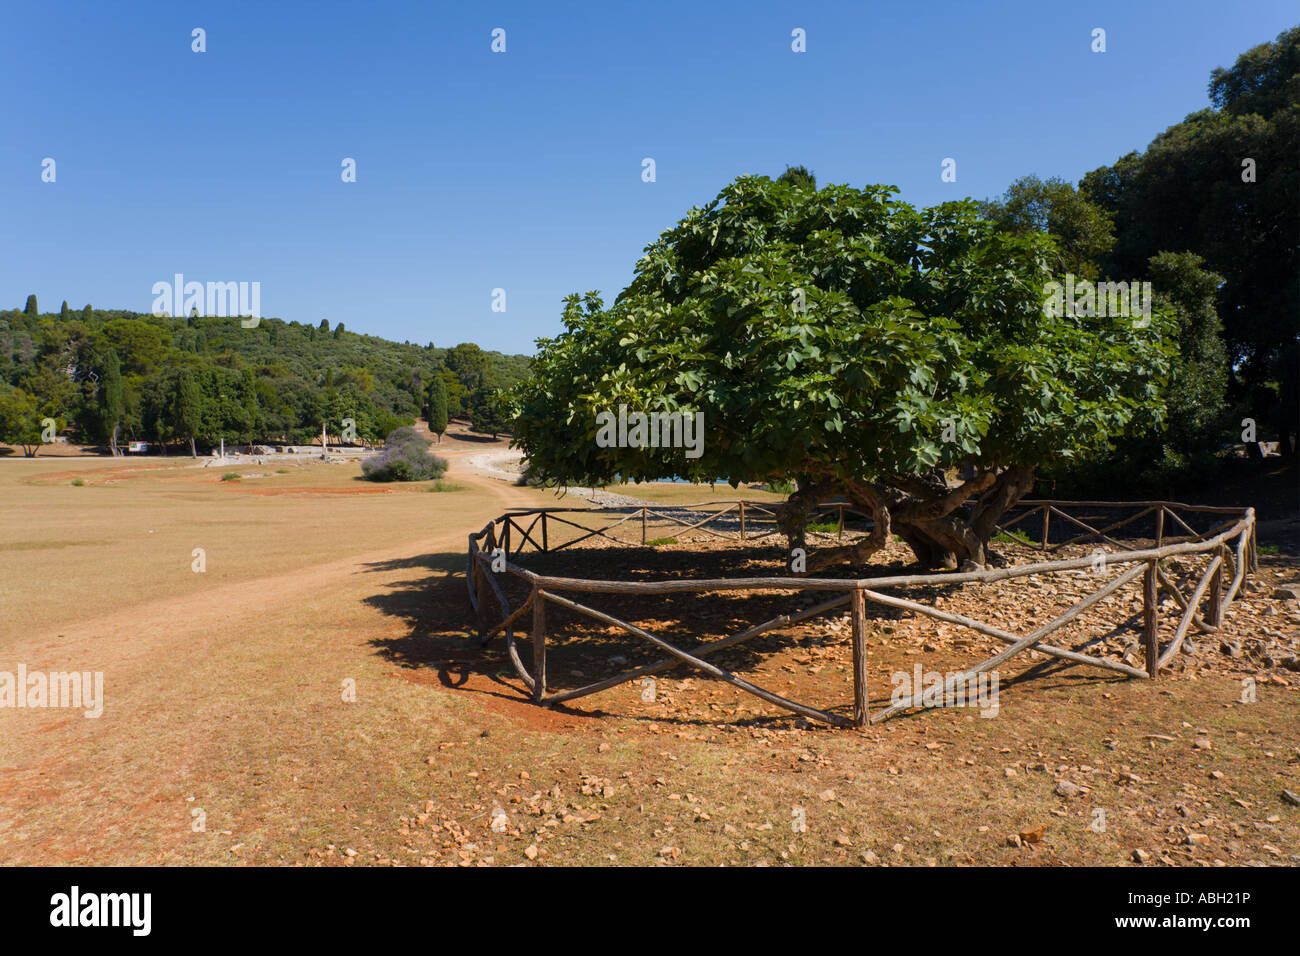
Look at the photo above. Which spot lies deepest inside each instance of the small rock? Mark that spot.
(1065, 788)
(1202, 743)
(869, 858)
(1141, 856)
(531, 851)
(1032, 836)
(1197, 839)
(1291, 798)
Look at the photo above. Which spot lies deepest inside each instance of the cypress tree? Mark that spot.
(438, 407)
(110, 398)
(189, 407)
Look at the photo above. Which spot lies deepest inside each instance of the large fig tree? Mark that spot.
(843, 340)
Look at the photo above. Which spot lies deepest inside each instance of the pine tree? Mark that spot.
(31, 305)
(64, 312)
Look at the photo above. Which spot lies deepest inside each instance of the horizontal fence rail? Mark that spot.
(1229, 545)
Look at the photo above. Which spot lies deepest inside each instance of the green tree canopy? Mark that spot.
(851, 342)
(1082, 229)
(1225, 184)
(20, 419)
(800, 176)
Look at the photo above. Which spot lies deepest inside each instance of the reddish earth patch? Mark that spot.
(507, 698)
(234, 486)
(92, 475)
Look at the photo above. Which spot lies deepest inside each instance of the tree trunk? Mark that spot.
(792, 514)
(193, 453)
(867, 499)
(941, 524)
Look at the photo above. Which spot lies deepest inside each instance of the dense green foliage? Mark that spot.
(405, 458)
(210, 379)
(842, 337)
(20, 419)
(1187, 192)
(1083, 230)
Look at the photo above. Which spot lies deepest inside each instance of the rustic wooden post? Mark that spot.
(479, 593)
(1150, 597)
(1160, 527)
(839, 535)
(1215, 613)
(1047, 524)
(742, 520)
(505, 538)
(545, 545)
(539, 644)
(860, 703)
(643, 525)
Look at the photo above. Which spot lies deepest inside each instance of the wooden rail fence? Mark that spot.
(1229, 544)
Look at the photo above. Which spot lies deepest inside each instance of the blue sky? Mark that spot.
(522, 170)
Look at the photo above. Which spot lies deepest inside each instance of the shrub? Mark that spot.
(439, 486)
(230, 476)
(405, 435)
(405, 458)
(78, 482)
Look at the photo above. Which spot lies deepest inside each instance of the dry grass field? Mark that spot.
(227, 738)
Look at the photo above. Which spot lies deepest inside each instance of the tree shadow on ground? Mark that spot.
(440, 628)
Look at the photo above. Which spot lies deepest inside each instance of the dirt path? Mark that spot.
(132, 631)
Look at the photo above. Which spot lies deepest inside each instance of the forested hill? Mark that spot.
(164, 379)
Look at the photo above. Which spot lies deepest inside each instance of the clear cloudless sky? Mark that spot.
(522, 170)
